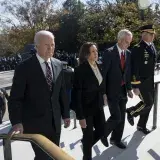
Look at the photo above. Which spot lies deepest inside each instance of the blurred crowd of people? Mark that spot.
(69, 58)
(9, 63)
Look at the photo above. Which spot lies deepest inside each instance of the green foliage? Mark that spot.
(66, 36)
(103, 26)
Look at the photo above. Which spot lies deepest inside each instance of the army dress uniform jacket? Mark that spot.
(143, 58)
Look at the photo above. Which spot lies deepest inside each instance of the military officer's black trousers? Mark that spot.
(147, 99)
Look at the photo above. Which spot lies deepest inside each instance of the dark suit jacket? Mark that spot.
(31, 103)
(112, 72)
(88, 94)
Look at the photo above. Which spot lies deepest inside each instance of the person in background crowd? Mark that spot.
(9, 63)
(88, 89)
(68, 76)
(38, 97)
(143, 59)
(3, 104)
(116, 74)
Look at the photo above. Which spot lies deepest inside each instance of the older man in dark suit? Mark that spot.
(116, 73)
(38, 95)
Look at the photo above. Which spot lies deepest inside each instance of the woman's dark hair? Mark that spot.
(85, 51)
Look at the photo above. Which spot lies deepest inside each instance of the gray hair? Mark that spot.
(122, 33)
(42, 33)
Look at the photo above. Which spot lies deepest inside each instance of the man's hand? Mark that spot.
(136, 91)
(105, 99)
(66, 122)
(130, 94)
(16, 129)
(83, 123)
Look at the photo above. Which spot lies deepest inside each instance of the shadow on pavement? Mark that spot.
(128, 154)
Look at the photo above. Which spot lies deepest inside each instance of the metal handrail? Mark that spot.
(42, 142)
(155, 109)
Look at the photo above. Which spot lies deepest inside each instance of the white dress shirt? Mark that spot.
(120, 51)
(149, 44)
(43, 65)
(97, 73)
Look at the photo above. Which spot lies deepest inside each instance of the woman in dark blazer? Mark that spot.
(88, 96)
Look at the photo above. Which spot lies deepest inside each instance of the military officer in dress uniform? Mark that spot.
(143, 58)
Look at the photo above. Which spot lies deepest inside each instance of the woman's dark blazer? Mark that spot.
(87, 93)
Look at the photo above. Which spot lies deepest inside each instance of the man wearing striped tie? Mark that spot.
(38, 97)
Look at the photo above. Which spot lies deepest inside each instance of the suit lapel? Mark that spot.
(100, 70)
(39, 72)
(91, 72)
(126, 59)
(117, 56)
(126, 56)
(54, 69)
(154, 50)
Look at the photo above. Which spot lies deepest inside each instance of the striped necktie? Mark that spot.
(49, 76)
